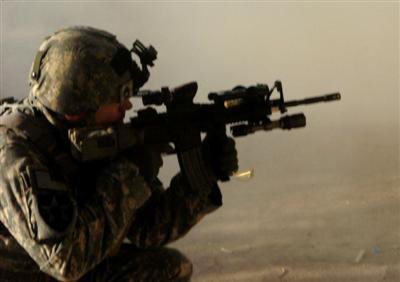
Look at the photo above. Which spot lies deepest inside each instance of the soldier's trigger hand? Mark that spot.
(148, 159)
(220, 155)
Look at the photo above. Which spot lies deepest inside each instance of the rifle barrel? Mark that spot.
(312, 100)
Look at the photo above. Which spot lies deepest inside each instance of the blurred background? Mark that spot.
(324, 202)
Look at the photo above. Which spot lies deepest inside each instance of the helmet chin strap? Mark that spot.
(60, 126)
(55, 119)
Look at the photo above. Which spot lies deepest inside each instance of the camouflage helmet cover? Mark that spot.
(79, 69)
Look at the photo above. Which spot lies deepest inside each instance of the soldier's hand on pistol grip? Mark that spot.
(220, 155)
(148, 159)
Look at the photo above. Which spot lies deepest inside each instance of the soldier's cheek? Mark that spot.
(110, 113)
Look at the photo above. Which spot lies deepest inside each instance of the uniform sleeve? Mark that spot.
(76, 240)
(170, 214)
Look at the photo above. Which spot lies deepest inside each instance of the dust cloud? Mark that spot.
(324, 202)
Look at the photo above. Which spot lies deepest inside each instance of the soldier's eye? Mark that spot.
(126, 90)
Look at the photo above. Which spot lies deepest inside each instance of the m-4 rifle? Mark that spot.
(244, 109)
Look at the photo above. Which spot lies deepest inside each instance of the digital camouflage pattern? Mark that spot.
(80, 68)
(99, 205)
(134, 265)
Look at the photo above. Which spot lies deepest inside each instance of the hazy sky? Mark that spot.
(314, 48)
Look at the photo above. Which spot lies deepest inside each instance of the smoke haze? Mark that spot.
(348, 151)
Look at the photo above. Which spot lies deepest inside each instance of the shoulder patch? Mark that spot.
(44, 181)
(54, 208)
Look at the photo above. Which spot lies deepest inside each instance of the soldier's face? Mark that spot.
(112, 113)
(107, 114)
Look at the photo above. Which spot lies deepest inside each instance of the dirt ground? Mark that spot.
(319, 229)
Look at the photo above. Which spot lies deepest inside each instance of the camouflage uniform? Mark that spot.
(66, 220)
(68, 224)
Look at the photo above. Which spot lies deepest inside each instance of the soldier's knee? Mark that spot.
(186, 269)
(182, 266)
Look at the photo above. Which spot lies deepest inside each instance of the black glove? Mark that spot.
(220, 156)
(148, 159)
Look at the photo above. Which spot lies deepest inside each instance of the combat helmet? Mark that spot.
(77, 69)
